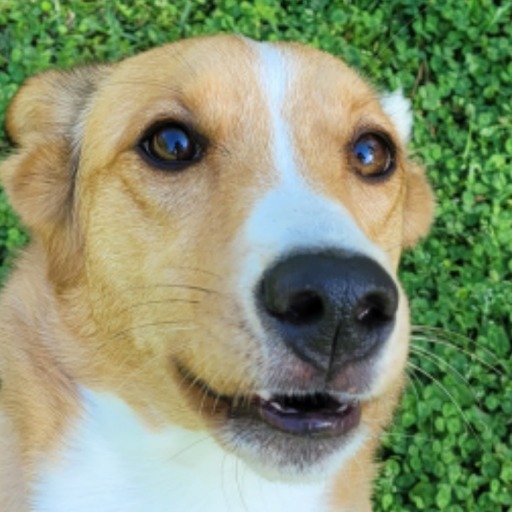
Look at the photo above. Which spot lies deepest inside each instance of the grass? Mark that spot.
(450, 448)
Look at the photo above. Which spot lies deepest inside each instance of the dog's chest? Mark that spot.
(114, 464)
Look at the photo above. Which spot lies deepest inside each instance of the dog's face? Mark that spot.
(223, 221)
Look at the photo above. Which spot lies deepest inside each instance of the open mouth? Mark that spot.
(315, 414)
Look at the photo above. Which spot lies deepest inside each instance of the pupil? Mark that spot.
(175, 142)
(365, 152)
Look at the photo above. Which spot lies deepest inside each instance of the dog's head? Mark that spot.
(221, 222)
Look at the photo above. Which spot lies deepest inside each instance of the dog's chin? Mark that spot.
(286, 436)
(277, 455)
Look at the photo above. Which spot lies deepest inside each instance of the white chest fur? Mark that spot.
(114, 463)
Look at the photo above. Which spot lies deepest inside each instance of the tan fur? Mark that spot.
(107, 231)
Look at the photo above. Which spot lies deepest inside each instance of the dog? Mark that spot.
(208, 316)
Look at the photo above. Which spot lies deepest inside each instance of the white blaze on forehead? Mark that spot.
(292, 216)
(276, 80)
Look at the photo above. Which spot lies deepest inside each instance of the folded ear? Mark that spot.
(44, 121)
(50, 104)
(398, 109)
(419, 206)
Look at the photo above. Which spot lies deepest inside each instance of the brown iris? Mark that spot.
(170, 146)
(372, 156)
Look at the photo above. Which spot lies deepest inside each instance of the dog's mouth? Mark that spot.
(318, 414)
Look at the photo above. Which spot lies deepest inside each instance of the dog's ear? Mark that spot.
(44, 122)
(419, 200)
(398, 108)
(418, 207)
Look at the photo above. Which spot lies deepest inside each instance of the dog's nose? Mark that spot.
(329, 308)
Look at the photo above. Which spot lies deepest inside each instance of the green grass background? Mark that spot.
(450, 447)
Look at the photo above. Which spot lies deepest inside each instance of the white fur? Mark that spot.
(291, 216)
(398, 108)
(116, 463)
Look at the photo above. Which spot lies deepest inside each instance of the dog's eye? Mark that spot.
(170, 146)
(372, 156)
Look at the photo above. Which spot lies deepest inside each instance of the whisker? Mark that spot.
(437, 360)
(448, 335)
(450, 396)
(209, 387)
(469, 354)
(215, 403)
(411, 378)
(218, 397)
(243, 396)
(192, 381)
(239, 485)
(225, 492)
(414, 387)
(205, 393)
(179, 286)
(121, 366)
(179, 326)
(162, 301)
(188, 447)
(196, 380)
(161, 286)
(200, 270)
(401, 435)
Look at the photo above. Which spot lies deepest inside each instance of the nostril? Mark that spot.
(288, 295)
(375, 309)
(304, 307)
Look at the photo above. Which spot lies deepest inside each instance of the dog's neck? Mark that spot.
(116, 462)
(34, 377)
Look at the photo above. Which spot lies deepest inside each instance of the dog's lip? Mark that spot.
(314, 414)
(318, 414)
